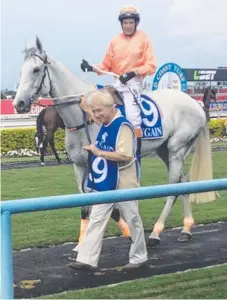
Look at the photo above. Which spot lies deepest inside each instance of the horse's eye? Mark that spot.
(36, 70)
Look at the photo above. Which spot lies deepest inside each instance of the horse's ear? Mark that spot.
(39, 44)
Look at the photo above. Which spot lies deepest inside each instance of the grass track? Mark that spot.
(57, 226)
(205, 283)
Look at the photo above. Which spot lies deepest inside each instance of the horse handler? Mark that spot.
(114, 166)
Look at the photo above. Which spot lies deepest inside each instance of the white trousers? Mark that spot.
(90, 248)
(132, 109)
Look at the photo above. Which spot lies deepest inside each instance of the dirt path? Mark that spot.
(45, 270)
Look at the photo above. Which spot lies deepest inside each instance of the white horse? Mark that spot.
(184, 124)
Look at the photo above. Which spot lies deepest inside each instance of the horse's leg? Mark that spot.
(175, 166)
(42, 150)
(120, 222)
(50, 137)
(185, 234)
(79, 172)
(154, 239)
(79, 159)
(84, 215)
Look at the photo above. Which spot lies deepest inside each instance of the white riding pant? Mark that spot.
(90, 248)
(132, 109)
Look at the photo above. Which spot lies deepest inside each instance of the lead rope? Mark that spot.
(89, 155)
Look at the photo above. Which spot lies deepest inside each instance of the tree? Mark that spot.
(3, 95)
(6, 92)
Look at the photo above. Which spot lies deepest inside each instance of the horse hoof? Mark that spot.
(153, 242)
(42, 164)
(184, 237)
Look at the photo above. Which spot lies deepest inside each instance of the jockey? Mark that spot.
(131, 56)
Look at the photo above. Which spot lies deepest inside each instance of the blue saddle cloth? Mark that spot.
(151, 117)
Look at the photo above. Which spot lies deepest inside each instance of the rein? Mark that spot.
(89, 153)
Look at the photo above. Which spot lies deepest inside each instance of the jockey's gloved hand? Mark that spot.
(86, 67)
(124, 78)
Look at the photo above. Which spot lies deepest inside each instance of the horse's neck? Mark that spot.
(65, 82)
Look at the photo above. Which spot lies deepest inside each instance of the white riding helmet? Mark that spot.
(129, 12)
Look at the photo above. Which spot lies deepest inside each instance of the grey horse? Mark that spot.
(183, 119)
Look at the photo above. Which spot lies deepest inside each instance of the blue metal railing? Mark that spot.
(77, 200)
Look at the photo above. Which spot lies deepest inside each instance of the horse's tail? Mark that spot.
(39, 127)
(201, 167)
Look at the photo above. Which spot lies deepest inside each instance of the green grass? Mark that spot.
(63, 156)
(29, 158)
(57, 226)
(206, 283)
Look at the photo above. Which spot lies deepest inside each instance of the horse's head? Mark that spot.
(34, 78)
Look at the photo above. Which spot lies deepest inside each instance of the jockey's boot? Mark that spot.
(138, 133)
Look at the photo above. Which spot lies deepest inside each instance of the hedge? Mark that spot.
(217, 127)
(23, 138)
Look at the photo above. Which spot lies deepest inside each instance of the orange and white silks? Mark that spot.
(130, 53)
(127, 54)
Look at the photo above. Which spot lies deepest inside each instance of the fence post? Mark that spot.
(7, 290)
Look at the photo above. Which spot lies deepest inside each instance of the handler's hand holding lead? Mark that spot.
(93, 149)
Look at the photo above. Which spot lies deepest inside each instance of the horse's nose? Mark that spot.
(20, 107)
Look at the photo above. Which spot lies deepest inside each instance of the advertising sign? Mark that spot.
(172, 76)
(8, 109)
(194, 74)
